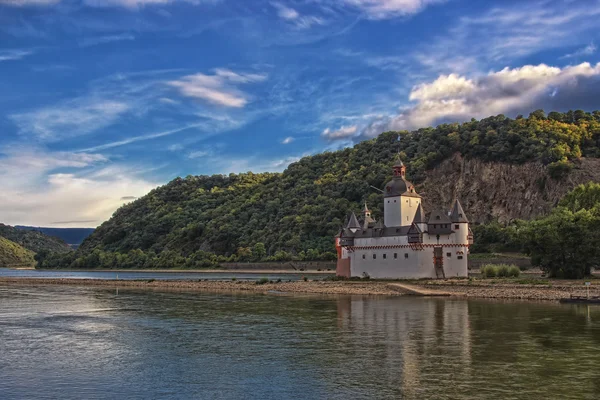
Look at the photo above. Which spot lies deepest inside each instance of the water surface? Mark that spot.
(71, 342)
(144, 275)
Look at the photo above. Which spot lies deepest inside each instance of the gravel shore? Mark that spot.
(321, 287)
(496, 289)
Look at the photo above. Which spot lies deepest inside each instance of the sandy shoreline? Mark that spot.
(509, 289)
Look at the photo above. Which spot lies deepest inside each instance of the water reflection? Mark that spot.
(103, 343)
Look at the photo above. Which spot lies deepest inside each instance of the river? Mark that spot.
(91, 343)
(157, 275)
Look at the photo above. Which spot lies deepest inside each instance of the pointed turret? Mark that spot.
(419, 215)
(457, 214)
(367, 217)
(353, 224)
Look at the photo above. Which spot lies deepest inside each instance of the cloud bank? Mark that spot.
(511, 90)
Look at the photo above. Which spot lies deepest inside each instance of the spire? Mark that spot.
(353, 224)
(457, 214)
(399, 168)
(366, 210)
(419, 215)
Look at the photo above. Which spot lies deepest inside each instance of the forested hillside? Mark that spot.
(13, 255)
(72, 236)
(34, 241)
(199, 220)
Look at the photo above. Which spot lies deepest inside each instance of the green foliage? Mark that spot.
(565, 243)
(11, 254)
(495, 237)
(34, 240)
(500, 271)
(262, 281)
(583, 197)
(203, 220)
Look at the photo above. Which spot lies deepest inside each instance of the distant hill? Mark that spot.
(72, 236)
(13, 255)
(34, 241)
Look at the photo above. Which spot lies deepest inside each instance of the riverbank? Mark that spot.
(523, 289)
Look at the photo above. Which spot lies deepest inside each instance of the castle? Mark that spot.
(405, 245)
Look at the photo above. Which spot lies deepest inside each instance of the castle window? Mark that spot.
(374, 256)
(448, 254)
(405, 255)
(459, 257)
(384, 256)
(456, 227)
(394, 201)
(364, 256)
(434, 226)
(437, 217)
(395, 256)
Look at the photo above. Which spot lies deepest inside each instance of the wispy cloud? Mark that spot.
(11, 55)
(23, 3)
(287, 140)
(73, 118)
(385, 9)
(218, 89)
(140, 138)
(94, 41)
(291, 15)
(584, 51)
(507, 33)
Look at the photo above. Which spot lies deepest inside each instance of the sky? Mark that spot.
(103, 100)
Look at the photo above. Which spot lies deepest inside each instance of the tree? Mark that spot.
(565, 244)
(259, 251)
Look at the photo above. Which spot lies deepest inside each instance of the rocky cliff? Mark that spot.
(496, 190)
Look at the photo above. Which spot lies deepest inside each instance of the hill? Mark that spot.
(34, 241)
(500, 168)
(13, 255)
(72, 236)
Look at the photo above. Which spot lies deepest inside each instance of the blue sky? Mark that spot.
(102, 100)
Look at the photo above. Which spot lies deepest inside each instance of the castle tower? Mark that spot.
(400, 199)
(460, 223)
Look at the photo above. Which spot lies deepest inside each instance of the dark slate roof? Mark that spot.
(399, 163)
(419, 215)
(371, 232)
(399, 187)
(414, 229)
(353, 222)
(366, 209)
(379, 225)
(458, 215)
(438, 217)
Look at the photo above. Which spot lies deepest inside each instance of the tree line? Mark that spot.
(204, 220)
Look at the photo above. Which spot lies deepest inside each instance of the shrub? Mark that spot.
(305, 278)
(488, 271)
(262, 281)
(514, 271)
(502, 271)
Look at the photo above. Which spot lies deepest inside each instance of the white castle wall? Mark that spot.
(409, 264)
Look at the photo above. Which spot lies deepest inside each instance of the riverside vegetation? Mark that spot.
(201, 221)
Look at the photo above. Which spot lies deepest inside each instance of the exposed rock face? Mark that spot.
(501, 191)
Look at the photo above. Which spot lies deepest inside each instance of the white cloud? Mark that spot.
(287, 140)
(218, 89)
(344, 132)
(286, 12)
(41, 188)
(383, 9)
(585, 51)
(72, 118)
(457, 98)
(11, 55)
(291, 15)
